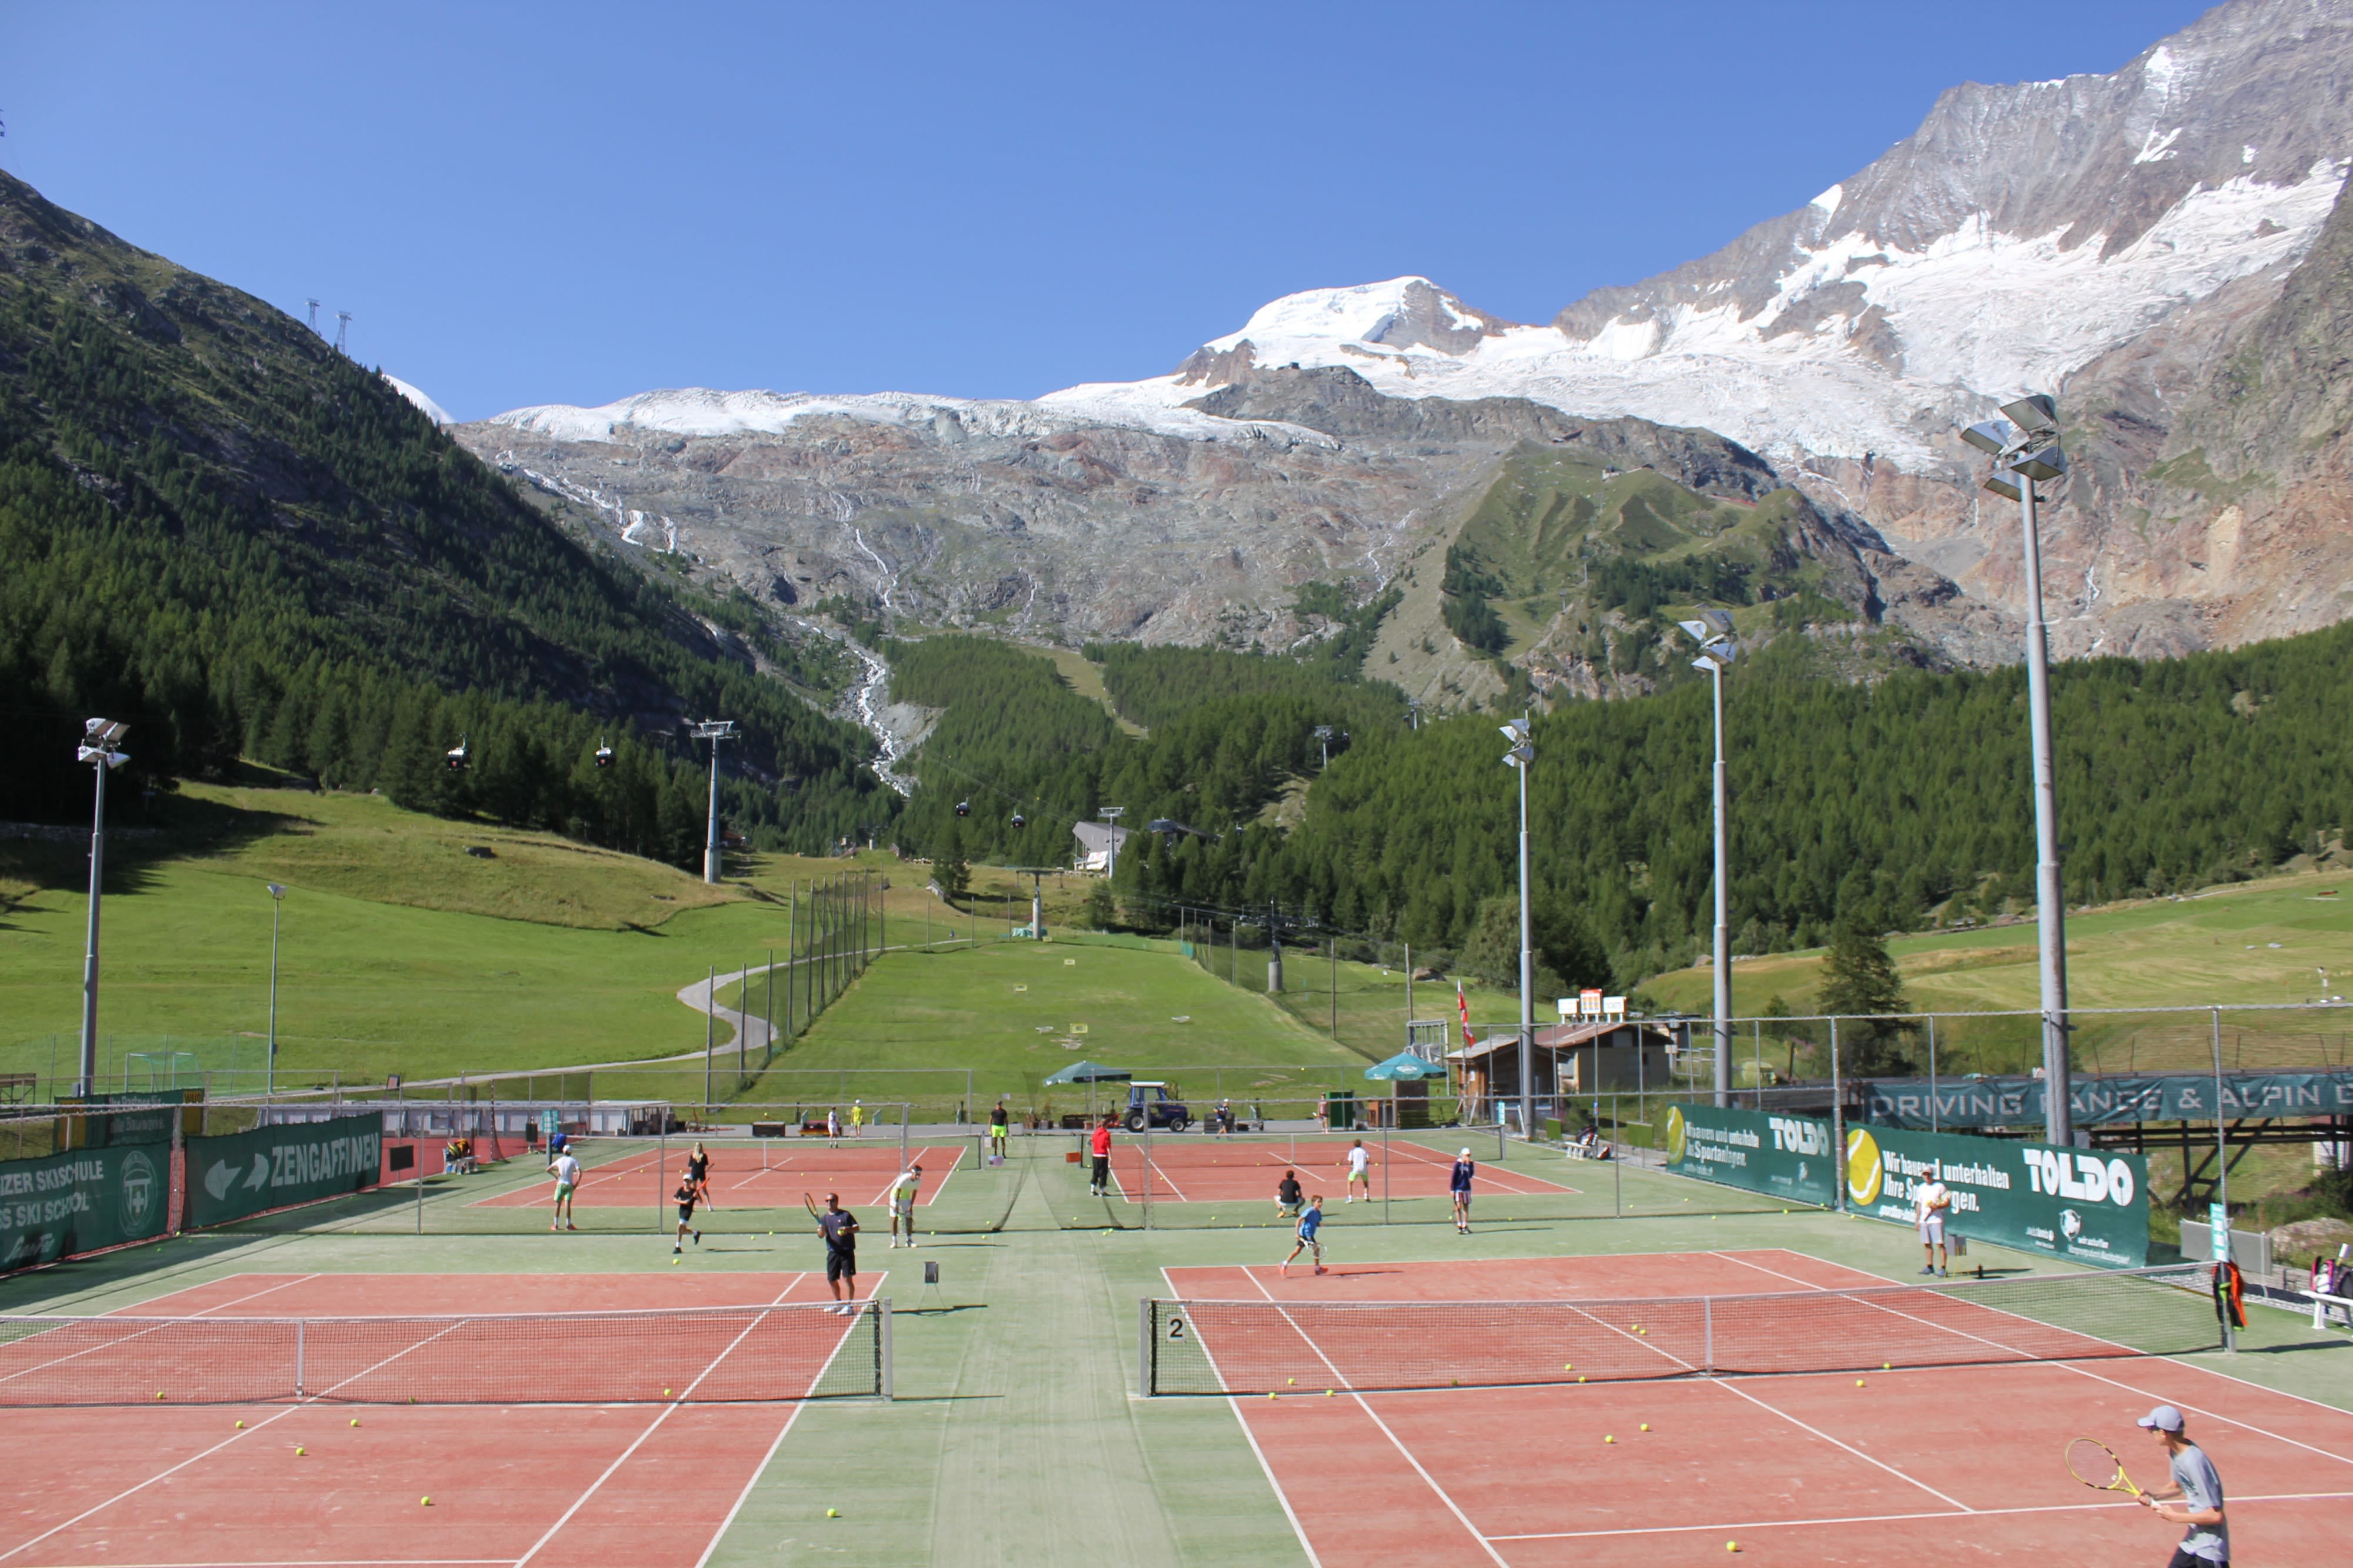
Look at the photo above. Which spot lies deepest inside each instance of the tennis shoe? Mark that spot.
(1321, 1269)
(1925, 1269)
(698, 1238)
(1940, 1274)
(675, 1251)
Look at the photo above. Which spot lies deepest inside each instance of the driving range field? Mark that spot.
(586, 1398)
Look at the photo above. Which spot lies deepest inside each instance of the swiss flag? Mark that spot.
(1464, 1003)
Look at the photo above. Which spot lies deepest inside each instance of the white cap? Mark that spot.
(1464, 1155)
(2164, 1418)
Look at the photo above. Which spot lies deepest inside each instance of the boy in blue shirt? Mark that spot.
(1309, 1223)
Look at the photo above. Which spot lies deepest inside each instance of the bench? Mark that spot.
(2322, 1300)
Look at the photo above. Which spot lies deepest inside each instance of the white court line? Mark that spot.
(1374, 1416)
(1888, 1518)
(2024, 1358)
(770, 1456)
(301, 1404)
(143, 1333)
(1234, 1404)
(651, 1428)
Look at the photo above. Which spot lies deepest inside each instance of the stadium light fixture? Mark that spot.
(277, 908)
(1713, 632)
(713, 731)
(2026, 452)
(98, 749)
(1518, 759)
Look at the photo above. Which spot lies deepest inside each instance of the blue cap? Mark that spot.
(2164, 1418)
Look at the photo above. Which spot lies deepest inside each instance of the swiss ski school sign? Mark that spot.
(2084, 1206)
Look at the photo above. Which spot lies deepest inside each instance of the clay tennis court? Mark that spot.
(1930, 1463)
(1201, 1169)
(739, 1179)
(636, 1485)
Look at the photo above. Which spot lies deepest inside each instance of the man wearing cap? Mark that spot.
(2207, 1544)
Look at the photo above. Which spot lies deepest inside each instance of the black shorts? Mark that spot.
(686, 1213)
(839, 1266)
(2184, 1560)
(1102, 1170)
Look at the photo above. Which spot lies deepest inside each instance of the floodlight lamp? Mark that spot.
(1706, 665)
(2035, 413)
(101, 754)
(2046, 462)
(1520, 756)
(104, 732)
(277, 889)
(1992, 436)
(1515, 732)
(2005, 487)
(1723, 650)
(1720, 619)
(1698, 630)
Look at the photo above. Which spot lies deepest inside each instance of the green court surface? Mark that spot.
(1016, 1434)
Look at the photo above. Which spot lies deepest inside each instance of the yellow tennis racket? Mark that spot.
(2096, 1465)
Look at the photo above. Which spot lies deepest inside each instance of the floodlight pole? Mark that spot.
(1722, 905)
(1523, 753)
(2051, 910)
(103, 757)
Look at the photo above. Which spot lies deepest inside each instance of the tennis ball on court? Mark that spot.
(1646, 1426)
(1886, 1366)
(833, 1513)
(1569, 1366)
(299, 1452)
(425, 1502)
(1327, 1394)
(1292, 1381)
(665, 1394)
(1858, 1383)
(1610, 1439)
(355, 1420)
(1731, 1546)
(159, 1394)
(241, 1426)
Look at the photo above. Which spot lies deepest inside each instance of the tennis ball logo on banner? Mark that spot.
(137, 1192)
(1674, 1134)
(1866, 1172)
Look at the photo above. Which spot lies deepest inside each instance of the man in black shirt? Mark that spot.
(1286, 1195)
(689, 1193)
(839, 1228)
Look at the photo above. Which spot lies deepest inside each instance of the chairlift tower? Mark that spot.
(713, 731)
(342, 332)
(314, 315)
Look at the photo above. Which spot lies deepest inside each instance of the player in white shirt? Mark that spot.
(902, 1200)
(1929, 1205)
(567, 1172)
(1358, 1173)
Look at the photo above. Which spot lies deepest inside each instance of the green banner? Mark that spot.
(2098, 1099)
(65, 1204)
(1787, 1156)
(2082, 1205)
(241, 1174)
(143, 1116)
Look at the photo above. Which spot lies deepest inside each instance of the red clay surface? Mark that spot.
(1201, 1169)
(1929, 1466)
(640, 1178)
(631, 1486)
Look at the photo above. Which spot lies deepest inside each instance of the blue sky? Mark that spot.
(570, 204)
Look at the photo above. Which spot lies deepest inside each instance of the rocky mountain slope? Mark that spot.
(2121, 239)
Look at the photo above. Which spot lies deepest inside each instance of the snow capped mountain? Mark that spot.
(425, 405)
(2023, 232)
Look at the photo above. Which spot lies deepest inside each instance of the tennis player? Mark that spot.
(1099, 1180)
(833, 1127)
(1358, 1173)
(689, 1188)
(1310, 1224)
(857, 1117)
(1930, 1206)
(1458, 1184)
(698, 1171)
(839, 1228)
(567, 1172)
(903, 1203)
(2195, 1482)
(1286, 1197)
(998, 1123)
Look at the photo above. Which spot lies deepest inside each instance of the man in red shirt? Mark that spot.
(1100, 1182)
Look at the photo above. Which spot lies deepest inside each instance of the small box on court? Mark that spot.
(931, 1271)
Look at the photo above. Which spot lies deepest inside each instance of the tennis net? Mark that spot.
(1264, 1347)
(701, 1356)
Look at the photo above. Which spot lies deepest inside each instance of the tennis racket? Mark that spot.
(810, 1203)
(2096, 1465)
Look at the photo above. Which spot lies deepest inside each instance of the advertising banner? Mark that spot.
(2098, 1099)
(1787, 1156)
(2082, 1205)
(241, 1173)
(79, 1202)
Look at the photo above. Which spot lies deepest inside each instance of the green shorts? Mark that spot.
(563, 1191)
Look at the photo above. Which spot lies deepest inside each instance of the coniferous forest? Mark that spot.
(218, 530)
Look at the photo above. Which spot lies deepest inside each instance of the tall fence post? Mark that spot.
(1932, 1072)
(1838, 1128)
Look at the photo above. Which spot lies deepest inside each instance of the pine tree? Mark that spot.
(1859, 977)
